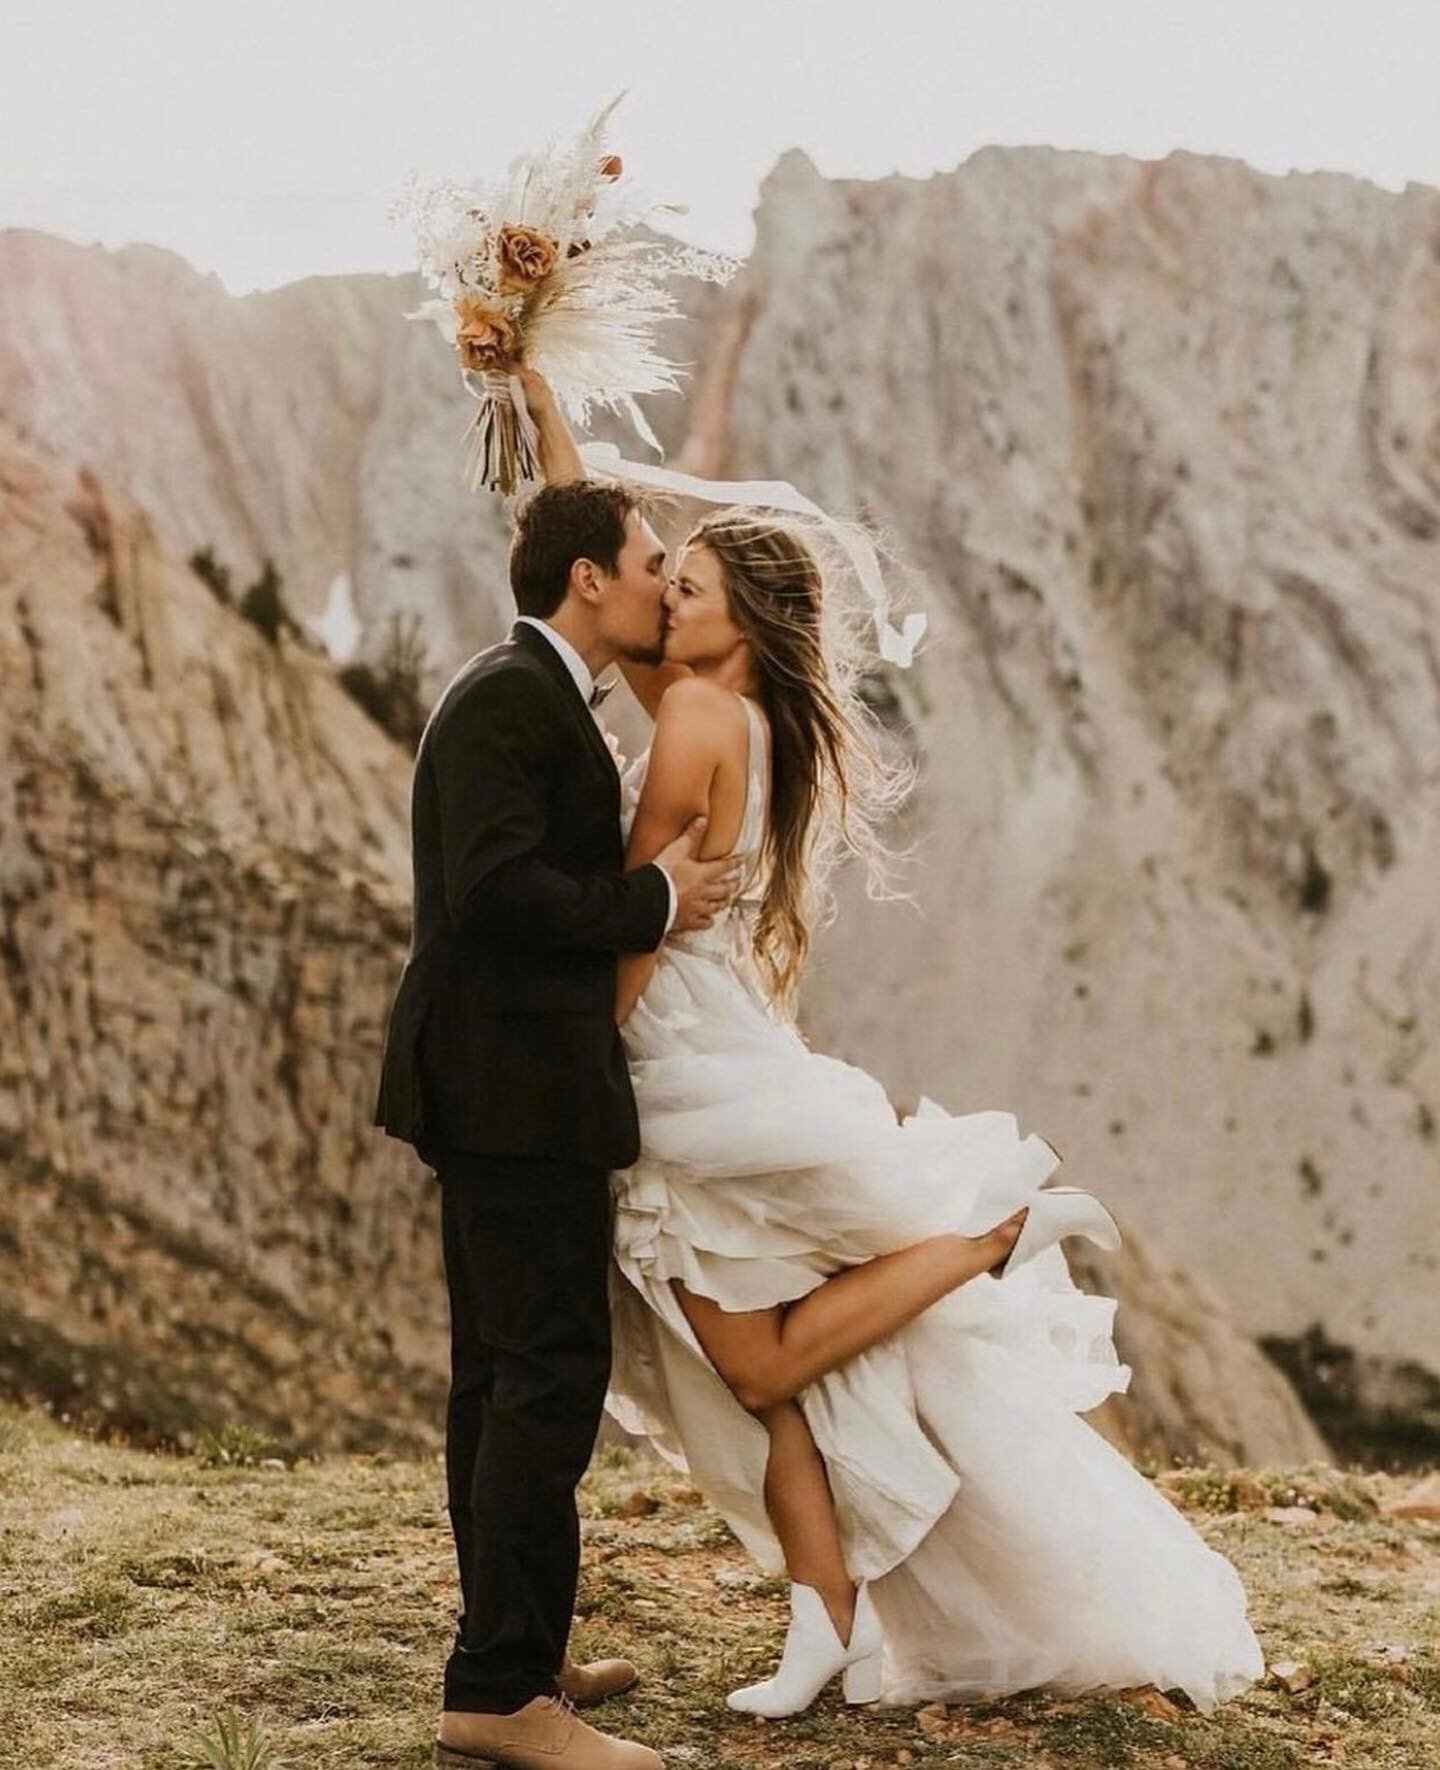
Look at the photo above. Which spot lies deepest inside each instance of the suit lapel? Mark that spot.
(539, 647)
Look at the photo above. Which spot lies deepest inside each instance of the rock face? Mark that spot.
(240, 424)
(203, 901)
(313, 423)
(1160, 442)
(203, 908)
(1199, 1391)
(1164, 442)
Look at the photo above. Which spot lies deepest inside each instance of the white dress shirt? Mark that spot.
(585, 682)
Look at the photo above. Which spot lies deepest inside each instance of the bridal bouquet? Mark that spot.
(547, 266)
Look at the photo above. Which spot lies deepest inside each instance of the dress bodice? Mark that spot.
(729, 934)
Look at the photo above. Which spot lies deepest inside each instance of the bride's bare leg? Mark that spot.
(767, 1356)
(799, 1502)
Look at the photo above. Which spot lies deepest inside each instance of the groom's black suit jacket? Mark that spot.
(502, 1035)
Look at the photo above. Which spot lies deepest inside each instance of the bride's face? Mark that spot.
(699, 629)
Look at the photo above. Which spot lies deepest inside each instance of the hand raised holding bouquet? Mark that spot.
(544, 267)
(544, 276)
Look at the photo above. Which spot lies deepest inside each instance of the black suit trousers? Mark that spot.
(527, 1247)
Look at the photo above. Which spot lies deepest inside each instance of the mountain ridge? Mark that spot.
(1160, 443)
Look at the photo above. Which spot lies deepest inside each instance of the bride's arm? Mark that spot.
(694, 724)
(561, 460)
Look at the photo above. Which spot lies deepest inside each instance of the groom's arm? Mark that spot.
(493, 753)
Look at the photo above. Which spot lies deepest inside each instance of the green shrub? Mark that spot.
(392, 690)
(263, 605)
(214, 576)
(232, 1743)
(238, 1447)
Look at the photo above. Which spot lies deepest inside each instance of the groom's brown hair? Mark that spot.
(577, 519)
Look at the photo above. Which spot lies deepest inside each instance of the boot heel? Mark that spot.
(861, 1680)
(447, 1758)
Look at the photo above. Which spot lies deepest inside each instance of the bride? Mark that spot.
(860, 1337)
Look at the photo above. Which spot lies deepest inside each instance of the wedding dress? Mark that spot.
(1008, 1545)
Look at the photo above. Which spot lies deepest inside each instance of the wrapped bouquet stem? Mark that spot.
(503, 451)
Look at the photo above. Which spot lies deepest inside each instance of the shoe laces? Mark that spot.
(561, 1703)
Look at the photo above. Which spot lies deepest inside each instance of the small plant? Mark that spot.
(392, 690)
(1423, 1678)
(1104, 1732)
(1210, 1489)
(233, 1743)
(87, 783)
(1204, 1489)
(1358, 1686)
(263, 605)
(212, 574)
(238, 1447)
(97, 1609)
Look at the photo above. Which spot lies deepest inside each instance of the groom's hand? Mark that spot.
(702, 887)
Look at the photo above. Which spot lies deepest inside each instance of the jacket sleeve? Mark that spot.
(493, 755)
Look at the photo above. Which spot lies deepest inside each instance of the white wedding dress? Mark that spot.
(1009, 1545)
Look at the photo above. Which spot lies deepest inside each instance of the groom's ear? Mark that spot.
(584, 580)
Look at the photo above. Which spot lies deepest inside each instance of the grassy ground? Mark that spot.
(146, 1601)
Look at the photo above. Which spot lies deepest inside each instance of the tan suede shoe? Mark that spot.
(546, 1734)
(595, 1680)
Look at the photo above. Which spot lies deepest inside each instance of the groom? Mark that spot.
(504, 1067)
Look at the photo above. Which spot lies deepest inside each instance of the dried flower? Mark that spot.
(484, 337)
(525, 255)
(543, 265)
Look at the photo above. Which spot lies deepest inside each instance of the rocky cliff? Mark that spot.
(203, 864)
(1162, 442)
(312, 424)
(204, 896)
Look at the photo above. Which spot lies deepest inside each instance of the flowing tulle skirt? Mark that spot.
(1009, 1544)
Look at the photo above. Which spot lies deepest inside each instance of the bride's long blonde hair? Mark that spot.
(832, 787)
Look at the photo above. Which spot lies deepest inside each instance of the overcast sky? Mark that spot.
(264, 139)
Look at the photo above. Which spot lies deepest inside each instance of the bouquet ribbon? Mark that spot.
(897, 644)
(504, 450)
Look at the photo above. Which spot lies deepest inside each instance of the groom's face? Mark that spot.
(631, 606)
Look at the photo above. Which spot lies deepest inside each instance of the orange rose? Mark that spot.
(525, 255)
(485, 339)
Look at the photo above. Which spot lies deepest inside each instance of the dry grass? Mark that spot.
(227, 1610)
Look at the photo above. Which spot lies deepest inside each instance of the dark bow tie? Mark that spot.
(600, 690)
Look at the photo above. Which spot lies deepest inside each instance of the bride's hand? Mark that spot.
(539, 395)
(559, 457)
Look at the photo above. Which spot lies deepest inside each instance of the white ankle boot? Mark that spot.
(1054, 1213)
(813, 1654)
